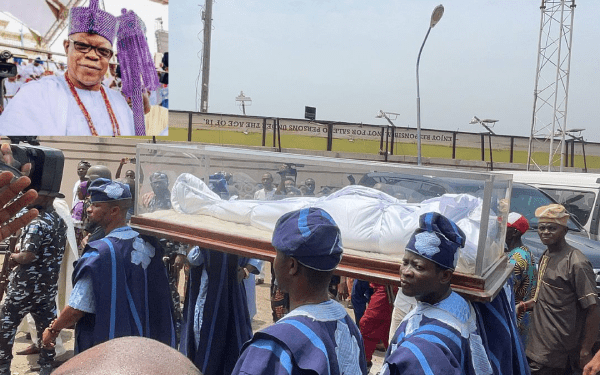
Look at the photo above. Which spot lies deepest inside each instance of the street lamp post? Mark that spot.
(244, 101)
(486, 123)
(437, 14)
(386, 115)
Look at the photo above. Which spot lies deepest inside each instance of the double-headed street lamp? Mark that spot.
(386, 115)
(437, 14)
(486, 123)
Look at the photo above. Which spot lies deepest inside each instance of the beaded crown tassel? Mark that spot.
(93, 20)
(137, 66)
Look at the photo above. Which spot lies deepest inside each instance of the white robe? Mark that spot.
(32, 70)
(11, 89)
(47, 108)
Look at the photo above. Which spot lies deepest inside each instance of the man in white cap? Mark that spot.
(76, 104)
(317, 335)
(565, 319)
(34, 70)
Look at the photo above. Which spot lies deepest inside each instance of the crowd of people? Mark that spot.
(544, 321)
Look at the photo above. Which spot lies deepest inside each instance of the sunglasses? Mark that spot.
(107, 53)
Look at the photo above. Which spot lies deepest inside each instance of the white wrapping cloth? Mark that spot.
(369, 220)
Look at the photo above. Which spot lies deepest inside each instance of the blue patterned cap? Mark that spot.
(311, 236)
(437, 239)
(105, 190)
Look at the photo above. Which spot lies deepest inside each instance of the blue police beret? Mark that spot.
(437, 239)
(105, 190)
(311, 236)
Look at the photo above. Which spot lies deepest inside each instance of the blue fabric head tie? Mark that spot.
(105, 190)
(437, 239)
(311, 236)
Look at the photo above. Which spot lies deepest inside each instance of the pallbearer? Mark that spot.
(317, 335)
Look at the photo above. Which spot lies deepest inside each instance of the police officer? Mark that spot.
(33, 282)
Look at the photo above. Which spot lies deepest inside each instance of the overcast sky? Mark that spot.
(41, 19)
(351, 58)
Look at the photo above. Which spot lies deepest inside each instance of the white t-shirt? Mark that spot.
(46, 107)
(263, 195)
(32, 70)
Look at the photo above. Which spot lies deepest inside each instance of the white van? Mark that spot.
(578, 192)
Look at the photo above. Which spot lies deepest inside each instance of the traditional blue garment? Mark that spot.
(438, 339)
(130, 291)
(497, 323)
(452, 337)
(360, 296)
(320, 339)
(215, 318)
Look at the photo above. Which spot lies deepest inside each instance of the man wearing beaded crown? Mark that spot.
(77, 104)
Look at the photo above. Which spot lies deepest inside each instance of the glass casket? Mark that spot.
(205, 195)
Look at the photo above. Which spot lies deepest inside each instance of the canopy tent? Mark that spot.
(50, 17)
(14, 32)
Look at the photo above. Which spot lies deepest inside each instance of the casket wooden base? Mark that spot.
(359, 266)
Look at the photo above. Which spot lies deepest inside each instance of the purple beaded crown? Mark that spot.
(93, 20)
(137, 66)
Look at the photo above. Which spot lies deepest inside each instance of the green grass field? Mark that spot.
(362, 146)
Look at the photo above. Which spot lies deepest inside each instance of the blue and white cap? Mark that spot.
(105, 190)
(437, 239)
(311, 236)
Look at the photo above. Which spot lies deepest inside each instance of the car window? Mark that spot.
(526, 200)
(578, 203)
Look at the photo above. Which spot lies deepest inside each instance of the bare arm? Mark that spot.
(593, 366)
(525, 306)
(68, 317)
(590, 334)
(25, 257)
(147, 106)
(118, 174)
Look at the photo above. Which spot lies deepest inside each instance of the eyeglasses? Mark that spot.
(107, 53)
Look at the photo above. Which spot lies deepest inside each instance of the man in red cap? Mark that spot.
(565, 317)
(524, 273)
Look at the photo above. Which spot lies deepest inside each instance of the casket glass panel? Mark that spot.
(376, 204)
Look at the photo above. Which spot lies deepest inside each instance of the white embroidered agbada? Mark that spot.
(47, 108)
